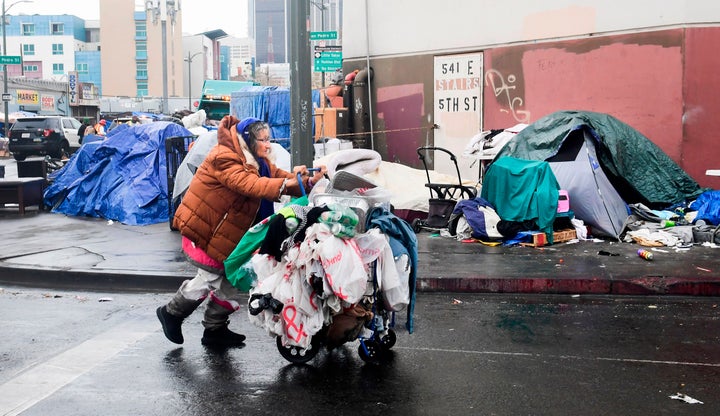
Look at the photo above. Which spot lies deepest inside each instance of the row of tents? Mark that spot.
(602, 163)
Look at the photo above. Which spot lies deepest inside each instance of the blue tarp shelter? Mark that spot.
(270, 104)
(122, 178)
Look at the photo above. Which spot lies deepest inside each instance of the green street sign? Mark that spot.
(10, 60)
(327, 61)
(323, 35)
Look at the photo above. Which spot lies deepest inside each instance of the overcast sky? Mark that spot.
(198, 15)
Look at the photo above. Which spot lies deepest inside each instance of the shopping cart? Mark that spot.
(305, 307)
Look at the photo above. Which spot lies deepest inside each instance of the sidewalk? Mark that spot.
(43, 249)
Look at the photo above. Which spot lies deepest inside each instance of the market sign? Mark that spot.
(28, 97)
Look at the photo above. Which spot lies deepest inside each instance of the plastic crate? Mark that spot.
(176, 148)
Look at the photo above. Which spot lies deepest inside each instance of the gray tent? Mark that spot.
(593, 198)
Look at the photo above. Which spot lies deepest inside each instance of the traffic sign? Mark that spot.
(327, 61)
(334, 48)
(7, 97)
(323, 35)
(10, 60)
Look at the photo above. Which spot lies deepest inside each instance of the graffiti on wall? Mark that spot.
(506, 94)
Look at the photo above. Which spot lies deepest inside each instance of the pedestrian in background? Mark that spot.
(100, 127)
(81, 131)
(233, 189)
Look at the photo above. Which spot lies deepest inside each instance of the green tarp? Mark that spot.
(523, 190)
(639, 170)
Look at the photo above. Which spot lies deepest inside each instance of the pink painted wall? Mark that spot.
(701, 140)
(640, 79)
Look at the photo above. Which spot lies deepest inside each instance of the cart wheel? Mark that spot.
(388, 341)
(297, 355)
(370, 352)
(417, 225)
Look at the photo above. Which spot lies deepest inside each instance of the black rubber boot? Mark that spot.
(171, 325)
(171, 316)
(222, 337)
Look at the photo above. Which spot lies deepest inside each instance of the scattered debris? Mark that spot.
(607, 253)
(685, 398)
(49, 295)
(110, 222)
(703, 269)
(456, 301)
(652, 306)
(105, 300)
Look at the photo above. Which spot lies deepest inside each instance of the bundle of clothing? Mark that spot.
(314, 270)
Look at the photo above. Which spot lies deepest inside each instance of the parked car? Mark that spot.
(44, 135)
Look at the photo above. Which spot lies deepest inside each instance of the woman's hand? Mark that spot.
(319, 174)
(301, 169)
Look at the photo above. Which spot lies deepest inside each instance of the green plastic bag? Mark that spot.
(236, 270)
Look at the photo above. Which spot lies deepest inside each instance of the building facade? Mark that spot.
(55, 52)
(132, 49)
(490, 65)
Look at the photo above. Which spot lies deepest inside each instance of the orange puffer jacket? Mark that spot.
(224, 195)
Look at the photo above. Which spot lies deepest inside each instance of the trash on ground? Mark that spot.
(607, 253)
(105, 300)
(703, 269)
(456, 301)
(685, 398)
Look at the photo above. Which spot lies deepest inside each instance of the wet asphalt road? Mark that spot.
(87, 353)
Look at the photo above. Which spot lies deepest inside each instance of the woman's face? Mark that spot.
(263, 146)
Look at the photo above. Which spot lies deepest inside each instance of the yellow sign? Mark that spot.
(28, 97)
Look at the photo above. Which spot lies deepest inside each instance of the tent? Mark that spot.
(603, 163)
(122, 178)
(522, 190)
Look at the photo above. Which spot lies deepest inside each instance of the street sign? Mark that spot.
(334, 48)
(10, 60)
(327, 61)
(323, 35)
(7, 97)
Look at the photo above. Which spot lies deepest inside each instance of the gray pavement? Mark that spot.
(44, 249)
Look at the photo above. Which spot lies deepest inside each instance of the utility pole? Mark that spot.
(189, 60)
(5, 74)
(300, 83)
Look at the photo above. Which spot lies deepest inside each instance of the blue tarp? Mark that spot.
(270, 104)
(122, 178)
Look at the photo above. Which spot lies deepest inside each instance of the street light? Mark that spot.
(322, 7)
(5, 76)
(189, 60)
(161, 10)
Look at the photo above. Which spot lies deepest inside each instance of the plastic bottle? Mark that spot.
(645, 254)
(667, 223)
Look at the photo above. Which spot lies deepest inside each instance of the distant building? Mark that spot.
(55, 51)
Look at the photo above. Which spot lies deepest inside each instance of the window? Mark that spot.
(57, 28)
(142, 88)
(58, 69)
(28, 49)
(81, 68)
(141, 49)
(28, 29)
(30, 68)
(57, 49)
(141, 70)
(140, 29)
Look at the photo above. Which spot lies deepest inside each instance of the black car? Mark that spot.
(45, 135)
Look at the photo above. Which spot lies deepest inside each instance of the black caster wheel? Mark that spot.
(297, 355)
(370, 352)
(388, 341)
(417, 225)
